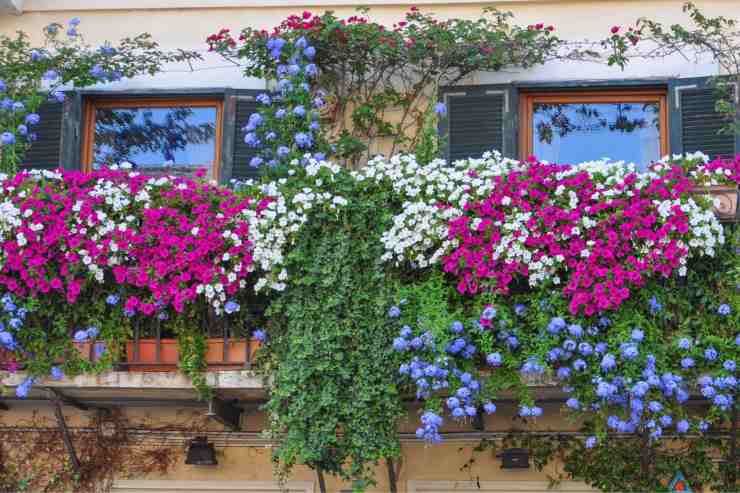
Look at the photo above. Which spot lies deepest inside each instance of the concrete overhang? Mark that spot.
(11, 7)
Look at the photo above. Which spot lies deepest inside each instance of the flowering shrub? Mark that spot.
(596, 228)
(117, 245)
(373, 73)
(31, 75)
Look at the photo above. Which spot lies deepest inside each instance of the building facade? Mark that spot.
(157, 410)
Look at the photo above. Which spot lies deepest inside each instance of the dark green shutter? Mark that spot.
(476, 121)
(45, 152)
(695, 123)
(241, 170)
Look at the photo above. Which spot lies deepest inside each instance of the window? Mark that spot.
(572, 127)
(175, 136)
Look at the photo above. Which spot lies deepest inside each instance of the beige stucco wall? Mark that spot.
(187, 27)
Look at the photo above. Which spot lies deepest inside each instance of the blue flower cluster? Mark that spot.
(286, 127)
(433, 368)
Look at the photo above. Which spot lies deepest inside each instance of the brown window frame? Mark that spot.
(92, 104)
(529, 99)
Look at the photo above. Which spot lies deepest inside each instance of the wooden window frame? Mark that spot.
(529, 99)
(93, 104)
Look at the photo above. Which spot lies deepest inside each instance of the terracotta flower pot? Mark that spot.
(727, 196)
(147, 358)
(239, 352)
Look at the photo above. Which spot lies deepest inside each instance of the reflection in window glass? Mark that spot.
(175, 139)
(576, 132)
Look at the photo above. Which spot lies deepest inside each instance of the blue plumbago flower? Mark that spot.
(722, 401)
(394, 312)
(655, 406)
(22, 390)
(50, 75)
(608, 362)
(280, 114)
(404, 369)
(458, 412)
(92, 332)
(512, 342)
(655, 306)
(162, 316)
(98, 71)
(457, 327)
(283, 151)
(284, 85)
(601, 347)
(7, 340)
(463, 392)
(72, 32)
(129, 313)
(75, 21)
(684, 343)
(107, 50)
(520, 309)
(556, 325)
(260, 335)
(629, 350)
(264, 99)
(637, 335)
(299, 111)
(318, 103)
(687, 363)
(33, 119)
(22, 130)
(579, 365)
(682, 426)
(311, 70)
(591, 442)
(737, 340)
(58, 96)
(256, 162)
(708, 391)
(3, 86)
(310, 52)
(640, 389)
(112, 299)
(303, 140)
(585, 349)
(573, 403)
(251, 139)
(56, 373)
(18, 106)
(729, 365)
(666, 420)
(563, 373)
(294, 69)
(637, 405)
(494, 359)
(489, 407)
(471, 411)
(724, 310)
(417, 343)
(7, 138)
(569, 345)
(406, 331)
(270, 136)
(710, 354)
(532, 366)
(81, 336)
(575, 330)
(489, 313)
(465, 378)
(440, 108)
(231, 306)
(469, 351)
(703, 426)
(453, 402)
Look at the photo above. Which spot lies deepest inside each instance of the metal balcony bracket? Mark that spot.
(225, 412)
(65, 432)
(479, 421)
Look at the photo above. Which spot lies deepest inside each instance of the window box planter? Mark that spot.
(727, 200)
(163, 354)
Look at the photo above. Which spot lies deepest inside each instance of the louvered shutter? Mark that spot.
(695, 123)
(241, 170)
(45, 152)
(477, 121)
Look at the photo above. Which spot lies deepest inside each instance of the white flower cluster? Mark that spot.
(274, 230)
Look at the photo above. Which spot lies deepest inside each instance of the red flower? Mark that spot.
(539, 25)
(402, 23)
(615, 29)
(306, 14)
(551, 28)
(414, 8)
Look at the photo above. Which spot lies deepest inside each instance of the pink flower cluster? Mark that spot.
(159, 242)
(599, 238)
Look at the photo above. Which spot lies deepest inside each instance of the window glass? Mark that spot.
(175, 139)
(576, 132)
